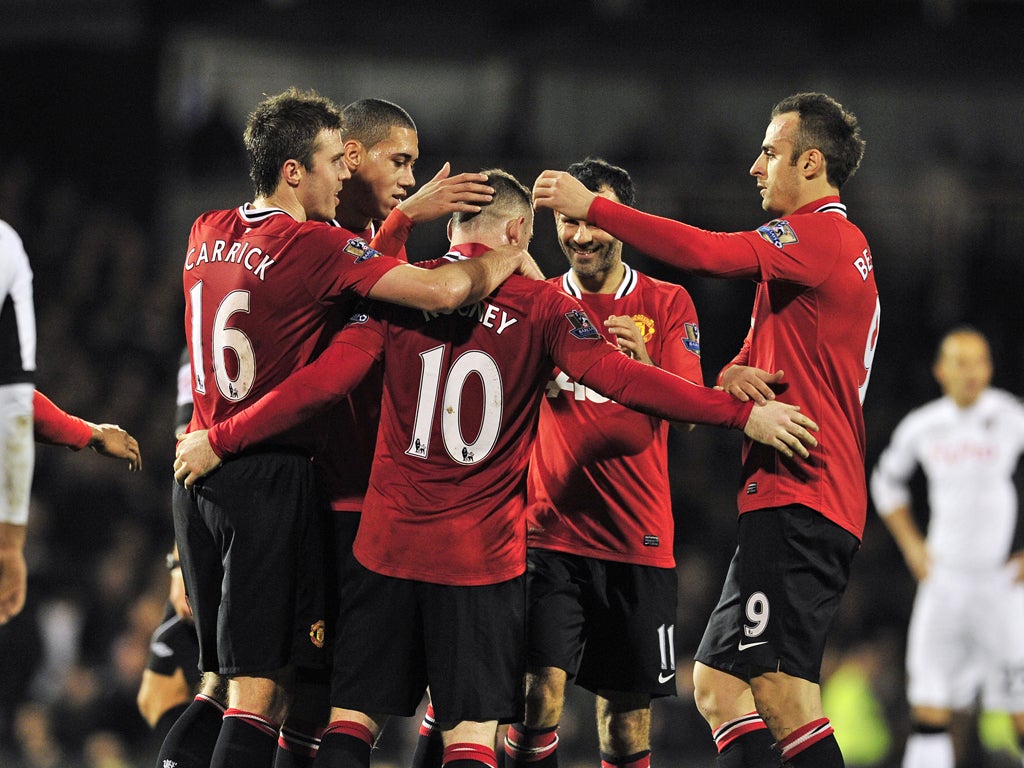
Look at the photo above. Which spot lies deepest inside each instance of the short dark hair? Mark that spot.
(285, 127)
(510, 199)
(825, 125)
(370, 121)
(596, 173)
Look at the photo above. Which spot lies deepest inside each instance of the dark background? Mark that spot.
(122, 122)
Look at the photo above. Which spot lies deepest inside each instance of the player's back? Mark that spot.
(258, 286)
(458, 416)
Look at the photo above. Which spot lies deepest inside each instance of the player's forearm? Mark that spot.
(660, 393)
(900, 523)
(54, 426)
(680, 245)
(393, 234)
(483, 274)
(300, 397)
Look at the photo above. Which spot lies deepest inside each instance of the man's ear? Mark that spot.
(448, 229)
(292, 172)
(514, 230)
(812, 163)
(353, 152)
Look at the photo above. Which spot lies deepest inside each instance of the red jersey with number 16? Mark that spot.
(258, 287)
(815, 317)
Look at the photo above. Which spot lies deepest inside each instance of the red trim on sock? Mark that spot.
(301, 740)
(529, 745)
(202, 697)
(429, 724)
(350, 728)
(728, 732)
(642, 761)
(803, 737)
(468, 751)
(256, 721)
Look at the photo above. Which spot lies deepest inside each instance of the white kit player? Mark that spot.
(968, 615)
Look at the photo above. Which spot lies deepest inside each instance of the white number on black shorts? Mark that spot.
(757, 614)
(468, 364)
(667, 644)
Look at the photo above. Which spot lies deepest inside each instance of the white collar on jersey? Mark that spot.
(630, 278)
(834, 207)
(249, 213)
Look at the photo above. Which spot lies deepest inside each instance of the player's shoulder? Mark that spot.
(1000, 400)
(925, 417)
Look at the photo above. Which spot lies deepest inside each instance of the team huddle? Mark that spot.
(450, 478)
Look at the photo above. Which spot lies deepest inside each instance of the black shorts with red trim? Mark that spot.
(781, 594)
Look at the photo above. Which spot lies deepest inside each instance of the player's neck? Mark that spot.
(607, 281)
(353, 221)
(288, 204)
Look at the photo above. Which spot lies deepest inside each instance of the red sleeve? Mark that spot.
(393, 235)
(335, 373)
(741, 357)
(56, 427)
(663, 394)
(718, 254)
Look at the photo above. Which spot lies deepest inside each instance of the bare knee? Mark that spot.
(719, 696)
(545, 696)
(623, 722)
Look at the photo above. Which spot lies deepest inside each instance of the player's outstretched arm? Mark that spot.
(335, 373)
(451, 286)
(663, 394)
(110, 440)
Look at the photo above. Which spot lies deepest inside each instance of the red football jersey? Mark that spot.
(815, 317)
(447, 496)
(258, 287)
(598, 481)
(343, 466)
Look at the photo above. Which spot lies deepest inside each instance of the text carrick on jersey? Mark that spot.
(816, 315)
(258, 287)
(598, 480)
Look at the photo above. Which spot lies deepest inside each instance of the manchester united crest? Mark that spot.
(646, 327)
(316, 633)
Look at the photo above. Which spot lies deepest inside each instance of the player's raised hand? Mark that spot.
(444, 195)
(561, 192)
(110, 440)
(628, 337)
(783, 427)
(744, 382)
(194, 457)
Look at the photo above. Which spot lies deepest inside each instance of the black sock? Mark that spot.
(345, 745)
(166, 720)
(190, 740)
(429, 745)
(246, 741)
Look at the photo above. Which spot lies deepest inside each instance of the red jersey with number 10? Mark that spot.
(258, 288)
(815, 317)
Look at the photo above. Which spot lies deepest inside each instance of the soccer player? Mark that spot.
(436, 577)
(811, 341)
(17, 452)
(260, 281)
(602, 580)
(970, 599)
